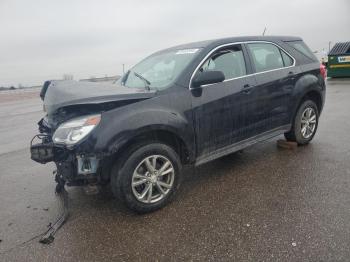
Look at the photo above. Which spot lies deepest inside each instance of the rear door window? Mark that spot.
(266, 56)
(287, 60)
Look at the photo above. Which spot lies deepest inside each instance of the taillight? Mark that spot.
(323, 71)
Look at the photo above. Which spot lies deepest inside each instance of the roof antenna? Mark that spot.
(264, 31)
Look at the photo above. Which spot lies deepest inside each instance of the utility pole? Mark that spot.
(123, 69)
(329, 46)
(264, 31)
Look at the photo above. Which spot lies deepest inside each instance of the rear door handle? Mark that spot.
(291, 74)
(247, 89)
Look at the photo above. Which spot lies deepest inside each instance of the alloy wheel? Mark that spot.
(153, 178)
(308, 122)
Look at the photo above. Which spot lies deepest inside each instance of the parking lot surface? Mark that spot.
(262, 204)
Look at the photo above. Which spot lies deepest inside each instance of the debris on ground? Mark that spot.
(48, 236)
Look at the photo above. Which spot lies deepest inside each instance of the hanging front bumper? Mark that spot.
(43, 151)
(70, 164)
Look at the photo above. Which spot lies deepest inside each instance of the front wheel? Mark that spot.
(305, 123)
(149, 178)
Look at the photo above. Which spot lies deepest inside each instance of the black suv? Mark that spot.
(189, 104)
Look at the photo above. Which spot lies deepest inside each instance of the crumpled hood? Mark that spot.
(66, 93)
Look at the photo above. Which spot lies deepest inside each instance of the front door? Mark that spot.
(217, 108)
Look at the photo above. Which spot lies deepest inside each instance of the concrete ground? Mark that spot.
(265, 204)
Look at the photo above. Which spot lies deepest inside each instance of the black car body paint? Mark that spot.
(206, 122)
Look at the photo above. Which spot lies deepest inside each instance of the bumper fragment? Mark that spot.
(71, 165)
(43, 151)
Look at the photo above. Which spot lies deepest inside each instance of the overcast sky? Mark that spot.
(41, 39)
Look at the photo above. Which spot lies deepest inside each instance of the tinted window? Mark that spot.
(265, 56)
(302, 48)
(287, 60)
(229, 61)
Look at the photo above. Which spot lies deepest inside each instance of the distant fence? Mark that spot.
(106, 79)
(20, 90)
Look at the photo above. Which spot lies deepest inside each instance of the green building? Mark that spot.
(339, 60)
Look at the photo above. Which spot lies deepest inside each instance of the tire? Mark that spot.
(160, 186)
(303, 127)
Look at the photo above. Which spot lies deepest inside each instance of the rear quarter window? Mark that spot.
(301, 47)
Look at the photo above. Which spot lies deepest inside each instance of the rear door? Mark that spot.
(217, 108)
(275, 75)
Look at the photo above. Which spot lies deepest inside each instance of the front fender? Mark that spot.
(119, 126)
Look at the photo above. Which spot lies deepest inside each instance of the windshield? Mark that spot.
(159, 70)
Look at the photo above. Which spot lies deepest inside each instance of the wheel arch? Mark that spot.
(163, 135)
(308, 86)
(314, 96)
(147, 135)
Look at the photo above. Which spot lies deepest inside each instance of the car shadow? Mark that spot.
(194, 177)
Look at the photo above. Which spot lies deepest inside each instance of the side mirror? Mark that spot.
(207, 77)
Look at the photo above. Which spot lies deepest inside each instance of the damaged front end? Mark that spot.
(70, 130)
(42, 148)
(74, 167)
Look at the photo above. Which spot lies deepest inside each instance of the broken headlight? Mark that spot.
(76, 129)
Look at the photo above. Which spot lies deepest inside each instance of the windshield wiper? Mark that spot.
(147, 83)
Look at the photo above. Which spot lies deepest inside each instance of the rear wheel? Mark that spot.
(149, 177)
(305, 123)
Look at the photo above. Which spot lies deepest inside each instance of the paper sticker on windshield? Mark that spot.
(187, 51)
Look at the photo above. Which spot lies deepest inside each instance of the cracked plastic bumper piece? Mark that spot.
(42, 152)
